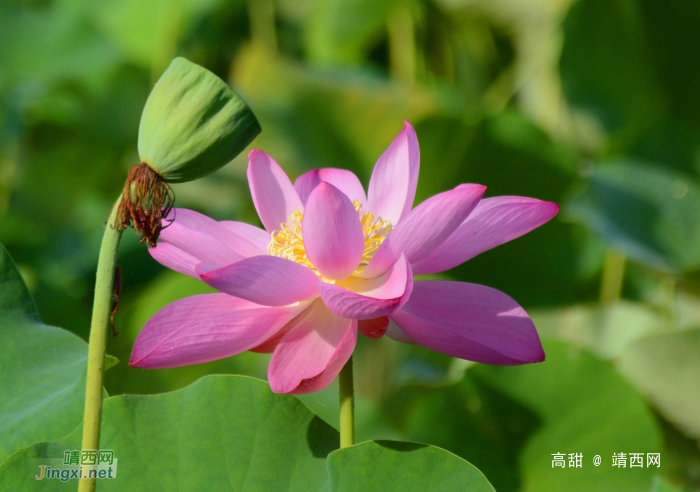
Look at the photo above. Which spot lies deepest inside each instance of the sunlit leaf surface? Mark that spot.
(42, 370)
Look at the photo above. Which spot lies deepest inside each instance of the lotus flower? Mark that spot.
(333, 261)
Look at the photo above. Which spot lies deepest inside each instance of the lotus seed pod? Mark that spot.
(193, 124)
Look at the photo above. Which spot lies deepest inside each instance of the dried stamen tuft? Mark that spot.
(146, 200)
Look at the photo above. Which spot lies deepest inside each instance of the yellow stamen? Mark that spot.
(288, 242)
(375, 231)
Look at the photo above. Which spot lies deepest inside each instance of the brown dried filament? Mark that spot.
(146, 200)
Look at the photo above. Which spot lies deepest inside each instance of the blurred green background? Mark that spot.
(592, 104)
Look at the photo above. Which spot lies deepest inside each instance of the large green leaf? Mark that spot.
(649, 213)
(391, 466)
(666, 368)
(193, 123)
(233, 433)
(221, 433)
(586, 408)
(41, 369)
(370, 421)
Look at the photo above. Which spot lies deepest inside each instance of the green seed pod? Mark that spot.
(193, 124)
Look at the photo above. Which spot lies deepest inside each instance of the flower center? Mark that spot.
(288, 242)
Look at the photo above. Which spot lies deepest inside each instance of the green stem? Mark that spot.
(613, 276)
(402, 45)
(347, 406)
(669, 287)
(262, 23)
(99, 327)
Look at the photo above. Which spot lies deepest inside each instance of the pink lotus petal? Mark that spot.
(392, 187)
(201, 237)
(332, 232)
(273, 194)
(425, 228)
(218, 231)
(394, 332)
(266, 280)
(344, 180)
(191, 238)
(339, 359)
(360, 298)
(269, 345)
(374, 328)
(493, 222)
(255, 236)
(204, 328)
(471, 322)
(174, 258)
(204, 268)
(313, 351)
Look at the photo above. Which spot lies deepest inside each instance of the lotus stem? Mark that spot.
(347, 406)
(99, 328)
(402, 45)
(262, 23)
(613, 276)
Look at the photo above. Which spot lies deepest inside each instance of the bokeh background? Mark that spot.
(593, 104)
